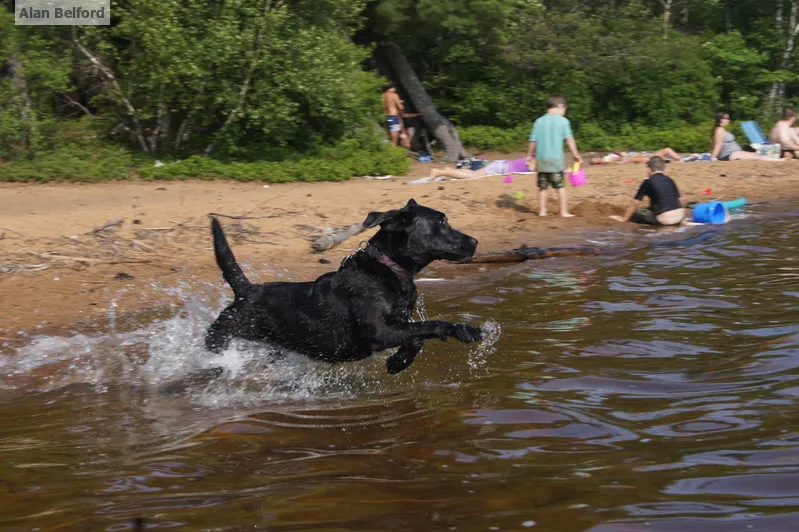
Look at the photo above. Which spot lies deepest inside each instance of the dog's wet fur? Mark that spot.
(363, 308)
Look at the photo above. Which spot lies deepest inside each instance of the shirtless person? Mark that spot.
(785, 135)
(393, 108)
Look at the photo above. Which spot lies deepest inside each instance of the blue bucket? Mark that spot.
(714, 212)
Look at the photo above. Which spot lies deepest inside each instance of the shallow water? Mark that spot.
(654, 391)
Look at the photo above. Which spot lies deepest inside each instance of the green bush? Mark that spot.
(495, 138)
(93, 161)
(591, 136)
(89, 159)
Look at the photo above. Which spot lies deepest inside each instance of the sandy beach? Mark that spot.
(56, 273)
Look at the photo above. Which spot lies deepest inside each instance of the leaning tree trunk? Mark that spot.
(440, 127)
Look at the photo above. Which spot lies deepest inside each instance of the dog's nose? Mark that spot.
(473, 242)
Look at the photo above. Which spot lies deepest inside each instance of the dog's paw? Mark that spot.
(466, 333)
(397, 364)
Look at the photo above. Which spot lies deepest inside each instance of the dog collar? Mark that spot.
(383, 259)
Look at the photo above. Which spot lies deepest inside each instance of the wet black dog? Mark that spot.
(362, 308)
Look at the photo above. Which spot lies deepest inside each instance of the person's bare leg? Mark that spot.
(564, 203)
(395, 138)
(542, 202)
(668, 153)
(454, 172)
(408, 140)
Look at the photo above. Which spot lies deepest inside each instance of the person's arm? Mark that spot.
(573, 148)
(569, 138)
(634, 204)
(718, 138)
(530, 159)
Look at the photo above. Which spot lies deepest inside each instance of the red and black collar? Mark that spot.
(383, 259)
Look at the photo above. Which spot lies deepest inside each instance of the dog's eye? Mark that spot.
(442, 221)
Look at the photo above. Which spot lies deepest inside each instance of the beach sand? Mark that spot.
(55, 274)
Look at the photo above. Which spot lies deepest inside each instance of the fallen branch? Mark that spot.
(106, 226)
(525, 254)
(11, 231)
(245, 217)
(330, 240)
(534, 253)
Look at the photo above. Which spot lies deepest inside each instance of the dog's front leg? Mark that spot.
(404, 357)
(386, 335)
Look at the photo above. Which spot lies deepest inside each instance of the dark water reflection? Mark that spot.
(654, 391)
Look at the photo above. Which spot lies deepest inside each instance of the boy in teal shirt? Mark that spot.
(546, 152)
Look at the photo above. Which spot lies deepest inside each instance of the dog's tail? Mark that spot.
(231, 270)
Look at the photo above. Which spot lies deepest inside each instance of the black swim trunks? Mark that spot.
(647, 217)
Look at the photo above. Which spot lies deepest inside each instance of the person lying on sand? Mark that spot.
(498, 167)
(630, 157)
(665, 203)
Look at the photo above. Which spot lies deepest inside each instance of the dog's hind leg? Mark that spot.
(222, 331)
(404, 357)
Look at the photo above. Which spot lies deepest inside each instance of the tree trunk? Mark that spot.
(776, 94)
(667, 5)
(109, 75)
(440, 127)
(20, 85)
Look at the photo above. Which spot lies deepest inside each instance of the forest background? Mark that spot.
(287, 90)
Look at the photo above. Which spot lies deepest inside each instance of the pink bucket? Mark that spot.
(577, 176)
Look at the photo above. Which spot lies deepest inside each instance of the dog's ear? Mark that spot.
(390, 220)
(377, 218)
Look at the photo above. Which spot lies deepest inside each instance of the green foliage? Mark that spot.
(264, 83)
(327, 167)
(493, 138)
(75, 161)
(741, 70)
(38, 68)
(593, 137)
(80, 156)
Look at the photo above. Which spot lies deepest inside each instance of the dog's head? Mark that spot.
(420, 235)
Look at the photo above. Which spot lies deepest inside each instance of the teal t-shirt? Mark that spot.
(549, 132)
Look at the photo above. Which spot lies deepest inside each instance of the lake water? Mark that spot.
(656, 391)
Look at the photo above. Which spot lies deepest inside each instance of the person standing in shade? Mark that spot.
(393, 108)
(545, 152)
(665, 203)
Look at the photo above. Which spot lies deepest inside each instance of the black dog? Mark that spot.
(362, 308)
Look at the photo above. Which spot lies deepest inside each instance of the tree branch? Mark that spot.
(245, 86)
(109, 74)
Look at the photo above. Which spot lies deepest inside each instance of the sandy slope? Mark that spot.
(165, 236)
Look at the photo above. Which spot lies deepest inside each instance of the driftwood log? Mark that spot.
(534, 253)
(328, 241)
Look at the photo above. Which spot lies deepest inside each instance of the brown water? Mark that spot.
(653, 391)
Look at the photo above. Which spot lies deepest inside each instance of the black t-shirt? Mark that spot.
(662, 193)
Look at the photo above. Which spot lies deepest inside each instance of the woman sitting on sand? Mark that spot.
(498, 167)
(629, 157)
(724, 146)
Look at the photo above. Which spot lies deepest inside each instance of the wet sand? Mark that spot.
(55, 273)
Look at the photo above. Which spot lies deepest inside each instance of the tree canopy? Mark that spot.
(240, 77)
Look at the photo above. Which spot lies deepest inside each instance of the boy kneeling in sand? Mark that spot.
(665, 203)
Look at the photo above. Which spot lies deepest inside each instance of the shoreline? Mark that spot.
(56, 275)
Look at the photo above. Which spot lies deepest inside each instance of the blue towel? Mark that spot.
(754, 133)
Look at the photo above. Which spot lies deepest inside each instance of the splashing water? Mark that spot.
(169, 356)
